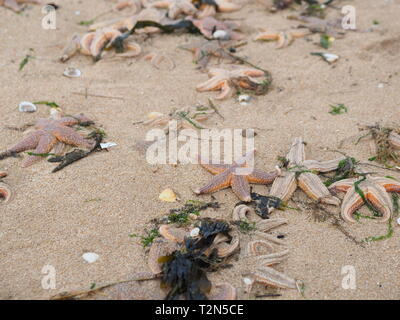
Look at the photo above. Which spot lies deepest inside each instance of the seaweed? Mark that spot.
(262, 204)
(48, 103)
(339, 108)
(182, 215)
(388, 235)
(185, 272)
(147, 239)
(346, 169)
(245, 226)
(24, 61)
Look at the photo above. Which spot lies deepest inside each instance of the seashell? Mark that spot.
(330, 57)
(26, 106)
(72, 72)
(398, 221)
(244, 99)
(221, 34)
(107, 145)
(5, 191)
(90, 257)
(172, 233)
(195, 232)
(168, 195)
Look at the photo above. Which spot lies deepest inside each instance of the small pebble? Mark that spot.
(90, 257)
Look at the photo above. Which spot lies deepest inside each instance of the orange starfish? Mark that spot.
(48, 132)
(284, 38)
(229, 176)
(16, 5)
(226, 80)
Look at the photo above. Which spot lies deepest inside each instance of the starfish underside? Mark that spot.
(17, 5)
(301, 173)
(226, 176)
(375, 191)
(46, 135)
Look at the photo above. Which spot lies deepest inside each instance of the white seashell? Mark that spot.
(90, 257)
(398, 221)
(72, 72)
(26, 106)
(168, 195)
(107, 145)
(247, 281)
(380, 85)
(221, 34)
(195, 232)
(244, 99)
(330, 57)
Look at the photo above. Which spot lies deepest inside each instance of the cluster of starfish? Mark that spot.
(302, 173)
(47, 133)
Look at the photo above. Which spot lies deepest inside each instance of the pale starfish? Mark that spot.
(374, 190)
(302, 173)
(204, 49)
(17, 5)
(134, 6)
(175, 7)
(284, 38)
(184, 119)
(229, 176)
(394, 139)
(5, 190)
(261, 253)
(206, 9)
(227, 80)
(209, 25)
(332, 27)
(46, 135)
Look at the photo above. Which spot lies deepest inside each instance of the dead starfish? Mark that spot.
(176, 7)
(185, 119)
(48, 132)
(207, 9)
(284, 38)
(209, 25)
(302, 173)
(17, 5)
(5, 190)
(227, 80)
(374, 190)
(134, 6)
(230, 176)
(332, 28)
(204, 49)
(261, 253)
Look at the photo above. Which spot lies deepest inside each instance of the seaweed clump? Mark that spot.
(185, 271)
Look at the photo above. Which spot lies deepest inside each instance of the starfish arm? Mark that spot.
(46, 143)
(73, 120)
(394, 139)
(267, 260)
(161, 4)
(241, 187)
(284, 39)
(296, 154)
(28, 143)
(213, 84)
(226, 91)
(351, 202)
(225, 6)
(323, 166)
(380, 199)
(218, 182)
(261, 177)
(312, 185)
(213, 168)
(343, 185)
(284, 186)
(390, 185)
(13, 5)
(270, 277)
(71, 137)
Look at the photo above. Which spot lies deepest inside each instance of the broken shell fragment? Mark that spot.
(5, 192)
(107, 145)
(244, 99)
(90, 257)
(328, 57)
(168, 195)
(72, 72)
(26, 106)
(195, 232)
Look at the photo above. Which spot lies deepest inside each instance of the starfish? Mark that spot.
(394, 140)
(372, 189)
(46, 135)
(176, 7)
(261, 253)
(301, 172)
(185, 119)
(332, 28)
(284, 38)
(15, 5)
(229, 176)
(209, 25)
(204, 49)
(227, 80)
(5, 190)
(208, 9)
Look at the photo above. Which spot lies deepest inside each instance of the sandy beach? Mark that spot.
(96, 203)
